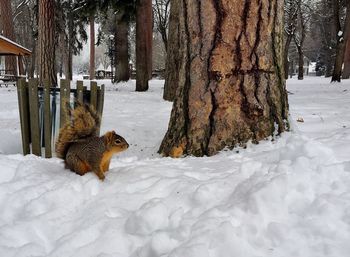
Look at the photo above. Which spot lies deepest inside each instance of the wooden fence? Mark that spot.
(37, 109)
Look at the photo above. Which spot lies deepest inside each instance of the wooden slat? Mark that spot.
(64, 99)
(24, 115)
(34, 116)
(93, 95)
(100, 102)
(80, 91)
(47, 119)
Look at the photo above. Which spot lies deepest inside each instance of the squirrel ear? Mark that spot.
(109, 136)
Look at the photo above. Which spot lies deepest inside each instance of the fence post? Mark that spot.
(64, 99)
(34, 116)
(93, 94)
(24, 114)
(80, 91)
(100, 102)
(47, 119)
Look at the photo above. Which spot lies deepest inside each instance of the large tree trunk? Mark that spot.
(346, 70)
(143, 44)
(92, 47)
(231, 86)
(8, 31)
(46, 41)
(173, 54)
(341, 34)
(122, 49)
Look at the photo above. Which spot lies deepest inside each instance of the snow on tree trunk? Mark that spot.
(143, 44)
(231, 79)
(46, 41)
(340, 51)
(173, 54)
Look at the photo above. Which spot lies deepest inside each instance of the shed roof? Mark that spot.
(8, 47)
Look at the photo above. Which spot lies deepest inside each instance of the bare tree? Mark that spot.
(299, 36)
(291, 14)
(161, 10)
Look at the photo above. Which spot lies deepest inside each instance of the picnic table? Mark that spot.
(7, 77)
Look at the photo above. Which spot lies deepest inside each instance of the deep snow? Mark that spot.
(287, 197)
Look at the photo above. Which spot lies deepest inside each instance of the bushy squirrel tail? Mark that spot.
(84, 122)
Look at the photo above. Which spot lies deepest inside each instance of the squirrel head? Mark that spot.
(114, 142)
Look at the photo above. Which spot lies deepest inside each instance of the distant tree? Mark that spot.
(46, 41)
(122, 46)
(26, 30)
(144, 27)
(161, 10)
(173, 53)
(325, 21)
(291, 15)
(92, 47)
(231, 86)
(299, 36)
(87, 10)
(6, 18)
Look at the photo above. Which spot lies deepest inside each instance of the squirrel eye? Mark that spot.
(118, 141)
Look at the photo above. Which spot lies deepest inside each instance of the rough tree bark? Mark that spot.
(46, 41)
(143, 44)
(346, 70)
(122, 48)
(341, 34)
(231, 79)
(173, 55)
(8, 31)
(92, 47)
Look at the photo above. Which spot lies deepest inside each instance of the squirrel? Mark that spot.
(80, 146)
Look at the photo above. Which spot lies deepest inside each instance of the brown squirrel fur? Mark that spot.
(80, 147)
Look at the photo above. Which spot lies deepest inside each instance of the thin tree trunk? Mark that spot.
(31, 69)
(122, 49)
(143, 44)
(46, 41)
(285, 55)
(69, 69)
(8, 31)
(301, 63)
(173, 54)
(231, 86)
(92, 47)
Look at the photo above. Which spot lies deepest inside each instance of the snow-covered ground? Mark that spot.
(286, 198)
